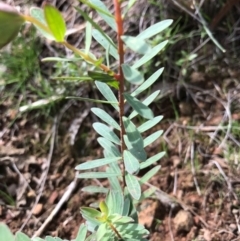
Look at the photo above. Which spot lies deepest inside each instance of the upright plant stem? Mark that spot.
(119, 22)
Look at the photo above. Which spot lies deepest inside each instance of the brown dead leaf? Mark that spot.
(38, 209)
(215, 120)
(53, 197)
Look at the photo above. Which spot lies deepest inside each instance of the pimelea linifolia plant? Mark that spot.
(122, 142)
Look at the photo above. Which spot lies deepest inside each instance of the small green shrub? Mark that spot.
(122, 142)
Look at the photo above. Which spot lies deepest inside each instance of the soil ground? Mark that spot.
(199, 180)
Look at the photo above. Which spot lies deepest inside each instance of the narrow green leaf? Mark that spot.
(91, 222)
(133, 134)
(152, 160)
(37, 239)
(91, 100)
(87, 18)
(91, 212)
(102, 231)
(107, 94)
(118, 219)
(148, 56)
(115, 201)
(132, 75)
(150, 174)
(95, 7)
(131, 162)
(154, 29)
(133, 186)
(140, 154)
(153, 137)
(134, 140)
(136, 44)
(110, 201)
(10, 23)
(106, 78)
(49, 238)
(149, 82)
(59, 239)
(139, 107)
(105, 13)
(58, 59)
(105, 43)
(96, 175)
(129, 6)
(95, 189)
(149, 124)
(96, 163)
(133, 231)
(146, 102)
(132, 208)
(106, 132)
(55, 22)
(82, 233)
(109, 146)
(70, 79)
(114, 182)
(148, 193)
(6, 233)
(103, 115)
(104, 208)
(126, 207)
(40, 103)
(114, 167)
(88, 37)
(38, 14)
(21, 237)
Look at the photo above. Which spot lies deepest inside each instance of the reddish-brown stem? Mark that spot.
(119, 22)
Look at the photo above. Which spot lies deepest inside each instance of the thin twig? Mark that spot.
(50, 154)
(169, 224)
(175, 181)
(69, 190)
(194, 171)
(229, 184)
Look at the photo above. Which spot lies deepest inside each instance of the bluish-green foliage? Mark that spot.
(116, 218)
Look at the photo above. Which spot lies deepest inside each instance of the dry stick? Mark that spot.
(237, 221)
(225, 178)
(46, 172)
(23, 178)
(175, 181)
(229, 115)
(165, 135)
(194, 171)
(202, 128)
(71, 187)
(169, 224)
(200, 6)
(186, 10)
